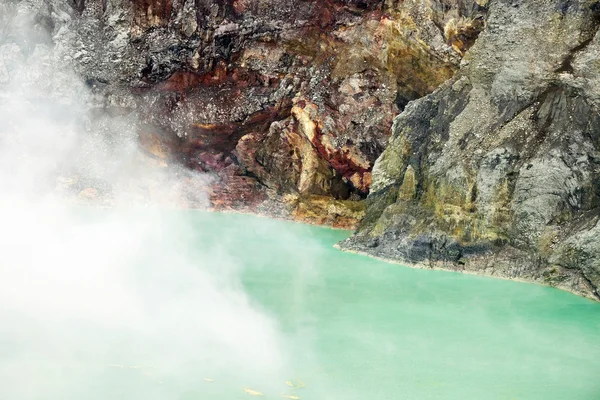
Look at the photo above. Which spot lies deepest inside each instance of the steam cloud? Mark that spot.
(88, 295)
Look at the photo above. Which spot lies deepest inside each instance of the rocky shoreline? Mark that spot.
(506, 264)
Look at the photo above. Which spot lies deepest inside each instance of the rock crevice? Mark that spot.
(505, 155)
(289, 101)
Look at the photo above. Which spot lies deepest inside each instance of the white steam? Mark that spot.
(90, 295)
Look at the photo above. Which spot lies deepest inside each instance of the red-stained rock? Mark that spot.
(285, 97)
(236, 192)
(181, 82)
(224, 137)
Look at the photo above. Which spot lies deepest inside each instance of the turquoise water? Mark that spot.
(284, 305)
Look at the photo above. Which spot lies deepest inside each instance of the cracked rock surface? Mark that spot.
(498, 171)
(493, 163)
(284, 101)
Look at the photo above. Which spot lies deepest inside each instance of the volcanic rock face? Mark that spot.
(493, 169)
(498, 170)
(290, 100)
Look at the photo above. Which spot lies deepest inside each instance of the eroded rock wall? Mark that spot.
(286, 100)
(498, 171)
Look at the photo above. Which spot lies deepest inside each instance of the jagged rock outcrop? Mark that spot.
(498, 171)
(281, 99)
(288, 104)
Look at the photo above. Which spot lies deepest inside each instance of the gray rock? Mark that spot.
(506, 156)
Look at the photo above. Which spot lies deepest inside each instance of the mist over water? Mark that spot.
(83, 289)
(118, 291)
(140, 301)
(246, 302)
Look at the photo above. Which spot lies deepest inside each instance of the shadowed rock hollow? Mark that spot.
(289, 103)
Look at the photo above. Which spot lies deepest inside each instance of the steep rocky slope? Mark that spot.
(287, 102)
(498, 171)
(493, 165)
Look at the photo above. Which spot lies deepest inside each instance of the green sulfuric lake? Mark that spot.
(207, 304)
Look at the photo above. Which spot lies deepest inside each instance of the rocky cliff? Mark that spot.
(287, 103)
(498, 171)
(492, 166)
